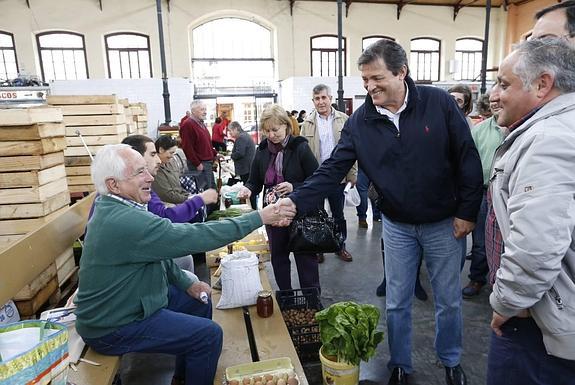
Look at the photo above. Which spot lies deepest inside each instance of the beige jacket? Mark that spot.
(309, 131)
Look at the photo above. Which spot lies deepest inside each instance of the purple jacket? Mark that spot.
(183, 212)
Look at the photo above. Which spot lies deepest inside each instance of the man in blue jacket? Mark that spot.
(414, 144)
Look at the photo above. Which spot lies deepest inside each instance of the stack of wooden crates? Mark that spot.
(100, 120)
(136, 117)
(33, 190)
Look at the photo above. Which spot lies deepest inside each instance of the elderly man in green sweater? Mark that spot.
(132, 297)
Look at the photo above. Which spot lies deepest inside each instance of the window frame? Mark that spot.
(328, 50)
(38, 35)
(108, 49)
(379, 37)
(11, 35)
(424, 52)
(468, 52)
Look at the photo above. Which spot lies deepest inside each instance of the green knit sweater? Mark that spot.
(126, 264)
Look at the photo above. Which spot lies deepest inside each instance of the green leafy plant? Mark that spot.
(348, 331)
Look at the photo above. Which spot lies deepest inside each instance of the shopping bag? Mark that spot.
(352, 198)
(33, 352)
(315, 232)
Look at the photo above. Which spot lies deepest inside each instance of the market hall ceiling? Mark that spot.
(457, 5)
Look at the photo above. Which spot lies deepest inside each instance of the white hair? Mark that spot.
(109, 163)
(196, 103)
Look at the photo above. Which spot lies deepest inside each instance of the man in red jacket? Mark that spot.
(197, 144)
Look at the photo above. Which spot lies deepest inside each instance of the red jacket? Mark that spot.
(196, 141)
(218, 132)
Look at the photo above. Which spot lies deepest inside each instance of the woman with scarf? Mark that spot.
(282, 163)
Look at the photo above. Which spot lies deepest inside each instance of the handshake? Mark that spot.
(279, 214)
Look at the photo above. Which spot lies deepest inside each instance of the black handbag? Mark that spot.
(315, 232)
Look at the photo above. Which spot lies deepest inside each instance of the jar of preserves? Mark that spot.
(228, 202)
(265, 304)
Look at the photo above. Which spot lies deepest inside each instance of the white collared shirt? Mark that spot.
(394, 116)
(325, 132)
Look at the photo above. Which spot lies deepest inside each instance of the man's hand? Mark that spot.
(197, 288)
(497, 320)
(279, 214)
(200, 167)
(462, 227)
(244, 193)
(352, 179)
(209, 196)
(284, 188)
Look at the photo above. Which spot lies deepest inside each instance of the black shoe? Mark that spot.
(380, 291)
(455, 376)
(420, 293)
(398, 377)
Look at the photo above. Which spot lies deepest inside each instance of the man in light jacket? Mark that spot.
(322, 129)
(532, 196)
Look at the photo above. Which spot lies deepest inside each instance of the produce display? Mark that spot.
(299, 317)
(276, 371)
(280, 378)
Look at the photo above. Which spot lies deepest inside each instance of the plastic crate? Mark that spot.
(305, 337)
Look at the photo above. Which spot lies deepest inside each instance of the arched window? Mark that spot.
(62, 55)
(243, 58)
(128, 56)
(468, 53)
(425, 58)
(324, 58)
(8, 62)
(369, 40)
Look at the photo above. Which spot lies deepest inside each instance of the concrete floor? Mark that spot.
(357, 281)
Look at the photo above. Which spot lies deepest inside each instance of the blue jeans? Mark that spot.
(519, 358)
(404, 245)
(362, 187)
(479, 269)
(184, 329)
(336, 201)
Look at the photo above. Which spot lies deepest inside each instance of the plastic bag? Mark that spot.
(240, 280)
(352, 198)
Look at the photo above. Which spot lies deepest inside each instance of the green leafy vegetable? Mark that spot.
(347, 331)
(227, 213)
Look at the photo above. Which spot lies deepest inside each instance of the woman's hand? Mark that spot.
(284, 188)
(244, 193)
(209, 196)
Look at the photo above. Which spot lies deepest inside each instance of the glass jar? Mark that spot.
(265, 304)
(228, 202)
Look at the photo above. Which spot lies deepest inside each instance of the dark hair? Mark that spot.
(235, 125)
(466, 91)
(218, 120)
(569, 7)
(483, 105)
(293, 112)
(392, 54)
(165, 142)
(137, 142)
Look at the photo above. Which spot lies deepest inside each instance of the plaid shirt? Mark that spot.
(129, 202)
(494, 246)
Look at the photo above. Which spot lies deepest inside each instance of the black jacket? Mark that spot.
(298, 163)
(427, 171)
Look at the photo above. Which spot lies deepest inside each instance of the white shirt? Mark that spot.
(394, 116)
(326, 139)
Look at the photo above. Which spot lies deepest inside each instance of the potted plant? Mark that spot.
(348, 335)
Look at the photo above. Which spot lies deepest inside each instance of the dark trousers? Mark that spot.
(307, 265)
(253, 197)
(219, 146)
(362, 186)
(479, 269)
(519, 358)
(184, 329)
(206, 177)
(336, 201)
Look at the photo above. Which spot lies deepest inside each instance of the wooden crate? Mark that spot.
(81, 150)
(71, 161)
(31, 289)
(33, 194)
(75, 141)
(82, 188)
(94, 120)
(28, 308)
(22, 226)
(117, 129)
(81, 99)
(30, 162)
(65, 265)
(78, 170)
(35, 210)
(29, 116)
(92, 109)
(32, 147)
(79, 180)
(7, 240)
(31, 178)
(32, 131)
